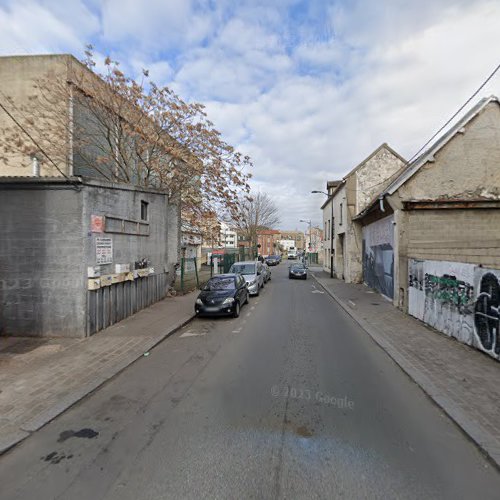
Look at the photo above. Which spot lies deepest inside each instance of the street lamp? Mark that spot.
(331, 231)
(310, 243)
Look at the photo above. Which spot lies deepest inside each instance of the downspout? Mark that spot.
(381, 203)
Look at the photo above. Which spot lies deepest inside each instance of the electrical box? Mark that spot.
(122, 268)
(93, 271)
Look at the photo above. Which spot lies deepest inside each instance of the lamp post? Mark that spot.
(310, 243)
(331, 230)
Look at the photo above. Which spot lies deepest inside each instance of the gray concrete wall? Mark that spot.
(42, 286)
(18, 76)
(122, 201)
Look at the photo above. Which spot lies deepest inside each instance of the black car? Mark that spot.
(272, 260)
(298, 271)
(223, 295)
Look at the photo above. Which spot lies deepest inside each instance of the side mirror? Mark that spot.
(246, 284)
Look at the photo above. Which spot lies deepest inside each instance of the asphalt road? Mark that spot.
(291, 400)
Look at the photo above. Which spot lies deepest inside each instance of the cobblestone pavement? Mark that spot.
(40, 378)
(460, 379)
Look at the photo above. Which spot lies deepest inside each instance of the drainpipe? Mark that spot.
(36, 166)
(381, 203)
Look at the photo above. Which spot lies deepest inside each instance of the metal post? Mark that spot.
(182, 274)
(196, 272)
(331, 243)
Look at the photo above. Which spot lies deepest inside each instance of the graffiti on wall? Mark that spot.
(378, 255)
(461, 300)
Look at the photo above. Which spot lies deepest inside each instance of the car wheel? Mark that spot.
(236, 312)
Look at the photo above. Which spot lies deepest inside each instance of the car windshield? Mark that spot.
(219, 284)
(244, 269)
(297, 266)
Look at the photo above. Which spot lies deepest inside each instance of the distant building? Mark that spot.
(268, 239)
(297, 237)
(228, 237)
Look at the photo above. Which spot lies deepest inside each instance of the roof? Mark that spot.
(410, 169)
(428, 155)
(371, 155)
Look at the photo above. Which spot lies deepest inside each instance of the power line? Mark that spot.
(455, 114)
(9, 114)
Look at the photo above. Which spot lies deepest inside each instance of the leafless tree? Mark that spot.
(129, 131)
(256, 212)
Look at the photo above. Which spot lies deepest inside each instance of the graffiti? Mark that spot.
(378, 256)
(461, 300)
(450, 290)
(487, 313)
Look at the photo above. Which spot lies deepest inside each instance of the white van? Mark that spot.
(292, 253)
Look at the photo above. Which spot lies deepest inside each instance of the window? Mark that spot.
(144, 210)
(340, 222)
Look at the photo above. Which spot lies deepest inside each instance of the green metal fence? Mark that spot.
(192, 274)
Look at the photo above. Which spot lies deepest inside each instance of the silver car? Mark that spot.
(253, 272)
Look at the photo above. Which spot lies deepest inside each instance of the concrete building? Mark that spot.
(431, 238)
(314, 242)
(297, 237)
(79, 255)
(328, 243)
(228, 236)
(349, 198)
(92, 251)
(191, 240)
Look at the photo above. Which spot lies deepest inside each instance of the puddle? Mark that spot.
(82, 433)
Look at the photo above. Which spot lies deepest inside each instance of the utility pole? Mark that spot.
(330, 199)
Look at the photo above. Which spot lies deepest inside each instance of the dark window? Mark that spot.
(144, 210)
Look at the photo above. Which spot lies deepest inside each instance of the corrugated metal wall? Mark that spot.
(110, 304)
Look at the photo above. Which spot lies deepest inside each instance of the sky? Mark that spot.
(307, 88)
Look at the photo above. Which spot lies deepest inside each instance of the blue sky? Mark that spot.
(307, 88)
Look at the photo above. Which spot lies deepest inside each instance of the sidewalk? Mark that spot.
(41, 378)
(464, 382)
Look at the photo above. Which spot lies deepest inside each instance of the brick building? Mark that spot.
(268, 239)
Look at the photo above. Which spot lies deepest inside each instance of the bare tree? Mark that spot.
(114, 127)
(256, 212)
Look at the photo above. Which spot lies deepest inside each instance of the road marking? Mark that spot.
(248, 314)
(351, 303)
(193, 334)
(317, 291)
(237, 331)
(252, 308)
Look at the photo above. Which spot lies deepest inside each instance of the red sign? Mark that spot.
(219, 251)
(97, 223)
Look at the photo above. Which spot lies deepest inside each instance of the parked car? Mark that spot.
(272, 260)
(267, 272)
(252, 271)
(223, 294)
(297, 270)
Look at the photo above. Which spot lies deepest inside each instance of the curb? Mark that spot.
(471, 430)
(19, 434)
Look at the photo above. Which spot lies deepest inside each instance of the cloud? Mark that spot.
(308, 88)
(29, 27)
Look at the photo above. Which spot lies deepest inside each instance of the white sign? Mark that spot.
(103, 250)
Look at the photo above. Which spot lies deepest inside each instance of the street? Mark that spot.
(290, 400)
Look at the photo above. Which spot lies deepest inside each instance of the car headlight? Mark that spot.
(227, 301)
(199, 302)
